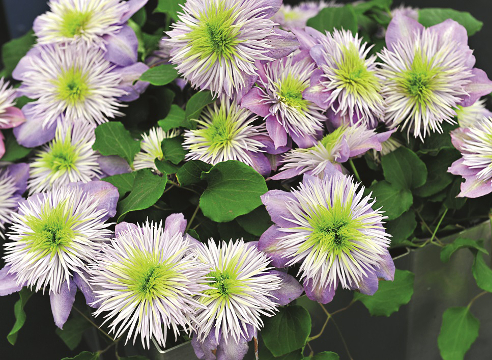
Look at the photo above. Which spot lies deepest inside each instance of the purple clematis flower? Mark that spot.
(292, 17)
(76, 215)
(10, 116)
(13, 183)
(427, 73)
(330, 229)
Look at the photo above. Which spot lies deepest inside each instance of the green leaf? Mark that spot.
(73, 330)
(459, 330)
(173, 150)
(166, 167)
(452, 201)
(265, 354)
(460, 243)
(394, 200)
(390, 295)
(402, 227)
(113, 139)
(146, 190)
(190, 173)
(13, 151)
(15, 50)
(140, 17)
(433, 16)
(175, 119)
(287, 331)
(234, 189)
(124, 182)
(330, 18)
(325, 355)
(134, 358)
(196, 103)
(404, 169)
(438, 178)
(438, 141)
(231, 231)
(160, 75)
(365, 6)
(170, 7)
(84, 355)
(256, 222)
(20, 315)
(482, 272)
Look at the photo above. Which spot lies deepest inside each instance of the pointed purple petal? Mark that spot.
(175, 223)
(133, 7)
(8, 282)
(400, 28)
(480, 85)
(304, 141)
(268, 244)
(113, 165)
(306, 40)
(386, 268)
(318, 54)
(317, 94)
(2, 145)
(319, 294)
(129, 74)
(260, 163)
(124, 226)
(20, 174)
(272, 7)
(288, 174)
(122, 47)
(249, 81)
(85, 288)
(474, 188)
(270, 145)
(253, 101)
(369, 284)
(276, 131)
(203, 350)
(290, 288)
(32, 133)
(14, 117)
(230, 349)
(282, 44)
(61, 303)
(105, 193)
(276, 205)
(459, 168)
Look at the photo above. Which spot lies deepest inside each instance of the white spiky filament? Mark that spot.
(477, 148)
(74, 80)
(148, 282)
(283, 92)
(225, 132)
(216, 42)
(351, 76)
(468, 116)
(7, 99)
(53, 235)
(240, 290)
(151, 148)
(69, 157)
(423, 81)
(8, 202)
(338, 237)
(79, 20)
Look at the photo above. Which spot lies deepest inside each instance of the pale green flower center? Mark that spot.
(353, 76)
(215, 35)
(332, 139)
(419, 81)
(52, 232)
(290, 92)
(74, 23)
(224, 283)
(72, 86)
(62, 155)
(221, 132)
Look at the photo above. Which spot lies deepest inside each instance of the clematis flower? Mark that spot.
(148, 280)
(53, 237)
(226, 132)
(291, 17)
(151, 148)
(242, 287)
(216, 42)
(475, 165)
(10, 116)
(13, 183)
(412, 13)
(99, 23)
(427, 73)
(278, 98)
(468, 116)
(347, 80)
(331, 230)
(334, 149)
(69, 157)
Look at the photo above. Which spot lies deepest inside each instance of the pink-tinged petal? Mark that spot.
(306, 40)
(474, 188)
(32, 133)
(104, 193)
(369, 284)
(254, 101)
(113, 165)
(249, 81)
(133, 7)
(271, 7)
(61, 303)
(450, 29)
(386, 268)
(459, 168)
(317, 94)
(192, 241)
(24, 64)
(479, 86)
(204, 350)
(8, 282)
(282, 44)
(122, 47)
(288, 174)
(20, 174)
(305, 141)
(175, 223)
(302, 55)
(342, 151)
(260, 163)
(232, 350)
(270, 145)
(290, 288)
(318, 54)
(123, 227)
(276, 131)
(276, 204)
(260, 69)
(2, 145)
(458, 137)
(269, 245)
(129, 74)
(14, 116)
(401, 28)
(331, 170)
(320, 294)
(85, 288)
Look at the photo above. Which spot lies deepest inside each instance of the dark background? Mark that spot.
(37, 340)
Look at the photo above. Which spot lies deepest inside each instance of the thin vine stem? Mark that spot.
(475, 298)
(352, 165)
(192, 217)
(343, 339)
(94, 324)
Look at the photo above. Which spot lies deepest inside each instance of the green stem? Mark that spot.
(192, 218)
(476, 297)
(93, 324)
(437, 227)
(355, 170)
(428, 229)
(343, 340)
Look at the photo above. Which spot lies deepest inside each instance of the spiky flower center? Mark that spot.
(215, 35)
(53, 231)
(74, 23)
(290, 92)
(332, 139)
(72, 86)
(353, 75)
(62, 155)
(221, 132)
(419, 80)
(223, 283)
